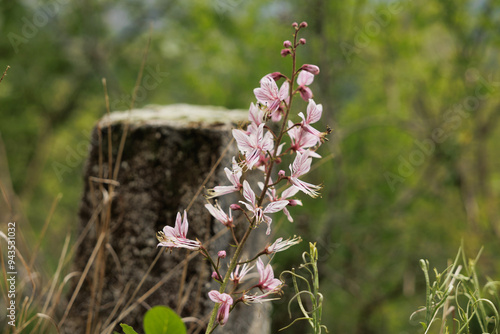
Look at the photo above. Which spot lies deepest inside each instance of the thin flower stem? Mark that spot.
(235, 259)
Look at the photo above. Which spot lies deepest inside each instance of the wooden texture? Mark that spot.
(168, 153)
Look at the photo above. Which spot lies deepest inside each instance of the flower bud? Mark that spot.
(285, 52)
(302, 41)
(294, 202)
(221, 254)
(281, 173)
(313, 69)
(303, 24)
(287, 44)
(235, 207)
(276, 76)
(295, 24)
(215, 276)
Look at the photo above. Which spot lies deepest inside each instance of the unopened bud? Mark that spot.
(303, 24)
(281, 173)
(295, 24)
(287, 44)
(285, 52)
(215, 276)
(294, 202)
(221, 254)
(302, 41)
(235, 207)
(313, 69)
(276, 76)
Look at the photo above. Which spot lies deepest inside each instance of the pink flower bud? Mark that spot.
(276, 76)
(302, 41)
(294, 202)
(313, 69)
(295, 24)
(215, 276)
(287, 44)
(281, 173)
(285, 52)
(303, 24)
(221, 254)
(235, 207)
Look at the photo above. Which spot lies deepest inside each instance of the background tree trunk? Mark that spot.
(167, 154)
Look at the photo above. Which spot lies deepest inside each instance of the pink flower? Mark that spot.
(313, 112)
(301, 165)
(221, 254)
(310, 68)
(255, 115)
(289, 192)
(220, 215)
(267, 282)
(233, 176)
(237, 275)
(305, 79)
(280, 245)
(175, 237)
(252, 299)
(253, 144)
(225, 301)
(258, 212)
(269, 95)
(301, 139)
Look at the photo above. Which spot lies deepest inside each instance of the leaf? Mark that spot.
(163, 320)
(127, 329)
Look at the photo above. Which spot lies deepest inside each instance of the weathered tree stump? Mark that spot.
(167, 154)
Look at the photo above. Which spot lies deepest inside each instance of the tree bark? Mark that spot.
(167, 154)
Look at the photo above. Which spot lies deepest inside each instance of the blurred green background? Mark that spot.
(410, 88)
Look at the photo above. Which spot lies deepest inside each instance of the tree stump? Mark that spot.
(167, 154)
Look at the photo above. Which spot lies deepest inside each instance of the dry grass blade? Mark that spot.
(82, 278)
(44, 229)
(164, 279)
(54, 279)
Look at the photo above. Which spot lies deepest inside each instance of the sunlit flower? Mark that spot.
(225, 301)
(301, 165)
(175, 237)
(220, 215)
(279, 245)
(233, 176)
(258, 212)
(254, 143)
(237, 275)
(269, 95)
(267, 282)
(303, 80)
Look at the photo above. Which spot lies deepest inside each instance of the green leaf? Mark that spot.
(163, 320)
(127, 329)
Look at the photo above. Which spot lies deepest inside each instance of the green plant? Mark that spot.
(310, 265)
(463, 302)
(159, 320)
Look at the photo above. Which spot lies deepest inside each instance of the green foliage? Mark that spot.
(159, 320)
(384, 91)
(163, 320)
(457, 301)
(311, 291)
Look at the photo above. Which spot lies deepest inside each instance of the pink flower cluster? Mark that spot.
(262, 149)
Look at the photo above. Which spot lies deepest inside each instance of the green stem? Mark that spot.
(235, 259)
